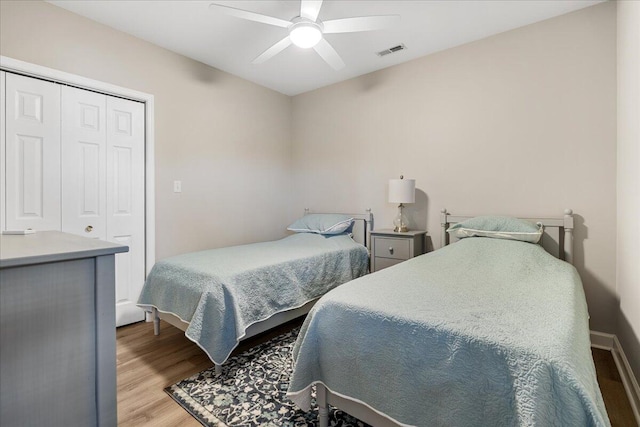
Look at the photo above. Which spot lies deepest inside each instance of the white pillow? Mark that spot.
(498, 227)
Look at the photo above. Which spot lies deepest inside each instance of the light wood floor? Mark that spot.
(147, 364)
(615, 398)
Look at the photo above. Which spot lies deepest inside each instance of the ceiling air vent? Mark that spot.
(392, 50)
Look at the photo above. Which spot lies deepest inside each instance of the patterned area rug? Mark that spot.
(251, 391)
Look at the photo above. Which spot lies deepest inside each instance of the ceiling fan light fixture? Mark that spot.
(306, 30)
(305, 34)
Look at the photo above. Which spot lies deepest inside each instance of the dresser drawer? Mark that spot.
(392, 248)
(380, 263)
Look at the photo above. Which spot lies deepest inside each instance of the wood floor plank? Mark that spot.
(613, 393)
(147, 364)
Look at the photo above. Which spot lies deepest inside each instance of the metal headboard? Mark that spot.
(558, 232)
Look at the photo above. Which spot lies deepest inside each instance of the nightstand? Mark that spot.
(389, 247)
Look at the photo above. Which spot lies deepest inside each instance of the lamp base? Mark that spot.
(400, 221)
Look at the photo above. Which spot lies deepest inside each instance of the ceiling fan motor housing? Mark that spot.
(304, 32)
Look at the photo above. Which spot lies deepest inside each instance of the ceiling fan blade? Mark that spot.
(272, 51)
(310, 9)
(329, 54)
(361, 23)
(250, 16)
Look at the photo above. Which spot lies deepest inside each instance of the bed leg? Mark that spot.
(156, 321)
(218, 369)
(323, 409)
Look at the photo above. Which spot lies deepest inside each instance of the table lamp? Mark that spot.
(401, 191)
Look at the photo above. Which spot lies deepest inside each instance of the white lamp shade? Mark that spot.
(402, 191)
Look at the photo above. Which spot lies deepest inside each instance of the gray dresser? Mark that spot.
(57, 330)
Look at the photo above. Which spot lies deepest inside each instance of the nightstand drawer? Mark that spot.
(389, 247)
(381, 263)
(392, 248)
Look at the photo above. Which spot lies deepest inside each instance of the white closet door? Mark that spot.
(84, 161)
(32, 154)
(3, 153)
(125, 202)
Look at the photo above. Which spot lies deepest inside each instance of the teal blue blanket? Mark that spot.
(483, 332)
(222, 292)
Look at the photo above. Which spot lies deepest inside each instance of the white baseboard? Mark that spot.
(602, 341)
(610, 342)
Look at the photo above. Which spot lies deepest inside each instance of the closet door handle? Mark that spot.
(88, 229)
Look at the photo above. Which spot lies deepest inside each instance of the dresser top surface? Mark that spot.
(51, 246)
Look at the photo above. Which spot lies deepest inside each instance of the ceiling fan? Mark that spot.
(307, 31)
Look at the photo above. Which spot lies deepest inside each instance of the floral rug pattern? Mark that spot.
(251, 391)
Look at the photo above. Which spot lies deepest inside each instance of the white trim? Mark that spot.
(628, 379)
(38, 71)
(611, 343)
(150, 186)
(601, 340)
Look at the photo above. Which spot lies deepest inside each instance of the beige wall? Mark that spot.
(629, 180)
(227, 139)
(521, 123)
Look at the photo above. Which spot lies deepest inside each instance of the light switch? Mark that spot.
(177, 186)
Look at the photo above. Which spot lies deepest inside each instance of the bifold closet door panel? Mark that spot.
(32, 147)
(84, 163)
(125, 202)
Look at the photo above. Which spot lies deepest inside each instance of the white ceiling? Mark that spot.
(230, 44)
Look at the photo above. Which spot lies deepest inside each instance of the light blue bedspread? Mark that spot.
(483, 332)
(222, 292)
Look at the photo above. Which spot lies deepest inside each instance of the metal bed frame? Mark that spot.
(558, 234)
(361, 230)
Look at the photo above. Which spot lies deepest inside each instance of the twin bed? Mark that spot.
(486, 331)
(221, 296)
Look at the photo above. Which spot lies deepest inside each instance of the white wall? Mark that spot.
(628, 248)
(521, 123)
(227, 139)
